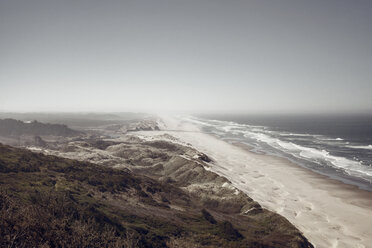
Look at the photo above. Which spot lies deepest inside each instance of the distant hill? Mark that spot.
(11, 127)
(77, 120)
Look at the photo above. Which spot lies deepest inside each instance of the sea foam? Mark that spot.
(281, 141)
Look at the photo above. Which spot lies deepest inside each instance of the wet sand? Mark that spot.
(328, 212)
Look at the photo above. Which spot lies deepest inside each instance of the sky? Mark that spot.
(191, 55)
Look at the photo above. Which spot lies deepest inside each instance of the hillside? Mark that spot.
(52, 202)
(11, 127)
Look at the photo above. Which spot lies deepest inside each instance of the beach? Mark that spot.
(328, 212)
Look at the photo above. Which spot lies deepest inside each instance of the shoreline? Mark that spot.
(365, 196)
(328, 212)
(354, 182)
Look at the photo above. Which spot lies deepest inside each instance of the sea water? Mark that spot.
(338, 146)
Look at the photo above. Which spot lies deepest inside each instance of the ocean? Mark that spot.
(338, 146)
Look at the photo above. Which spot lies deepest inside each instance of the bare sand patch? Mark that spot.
(328, 212)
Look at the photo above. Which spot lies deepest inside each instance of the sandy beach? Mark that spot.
(328, 212)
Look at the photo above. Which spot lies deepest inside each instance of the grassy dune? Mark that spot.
(48, 201)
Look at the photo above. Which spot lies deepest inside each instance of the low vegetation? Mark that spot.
(11, 127)
(48, 201)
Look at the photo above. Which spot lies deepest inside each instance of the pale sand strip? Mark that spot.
(329, 213)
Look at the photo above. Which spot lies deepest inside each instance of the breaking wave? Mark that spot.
(369, 147)
(319, 150)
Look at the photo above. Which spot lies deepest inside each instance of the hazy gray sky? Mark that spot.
(94, 55)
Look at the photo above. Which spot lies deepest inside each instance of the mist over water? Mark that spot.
(339, 146)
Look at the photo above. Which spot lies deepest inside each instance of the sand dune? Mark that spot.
(328, 212)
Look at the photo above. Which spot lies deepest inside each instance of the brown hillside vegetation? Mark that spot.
(11, 127)
(48, 201)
